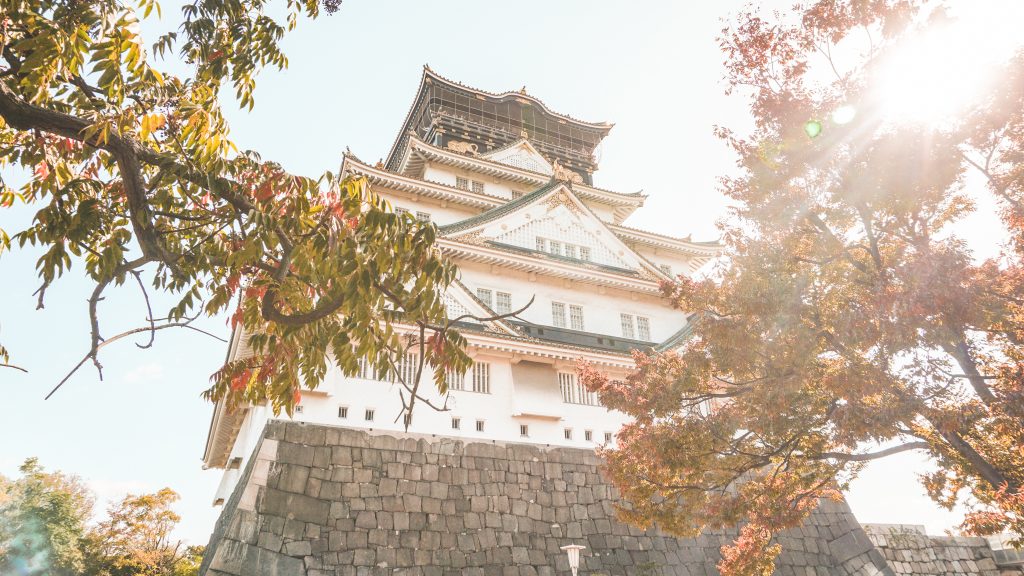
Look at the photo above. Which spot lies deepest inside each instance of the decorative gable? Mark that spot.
(560, 233)
(553, 221)
(521, 154)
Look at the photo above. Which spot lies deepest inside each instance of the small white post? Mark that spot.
(573, 551)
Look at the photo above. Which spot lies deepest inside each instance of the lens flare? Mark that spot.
(812, 128)
(844, 114)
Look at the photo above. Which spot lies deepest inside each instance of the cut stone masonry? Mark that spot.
(330, 501)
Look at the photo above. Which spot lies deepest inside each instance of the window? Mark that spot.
(503, 303)
(607, 437)
(588, 435)
(486, 295)
(574, 392)
(400, 210)
(462, 183)
(478, 187)
(456, 423)
(298, 408)
(643, 328)
(628, 326)
(576, 317)
(516, 194)
(423, 216)
(558, 314)
(482, 377)
(405, 368)
(342, 411)
(559, 248)
(524, 430)
(666, 269)
(479, 425)
(455, 380)
(368, 416)
(568, 433)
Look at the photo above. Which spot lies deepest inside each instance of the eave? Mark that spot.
(580, 272)
(425, 188)
(418, 152)
(670, 243)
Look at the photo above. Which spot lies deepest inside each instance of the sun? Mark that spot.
(933, 76)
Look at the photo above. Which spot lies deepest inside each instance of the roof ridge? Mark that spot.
(498, 211)
(427, 70)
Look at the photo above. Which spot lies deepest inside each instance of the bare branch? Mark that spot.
(874, 455)
(125, 334)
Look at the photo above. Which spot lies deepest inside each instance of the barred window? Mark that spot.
(570, 250)
(503, 303)
(643, 328)
(486, 296)
(555, 247)
(342, 411)
(516, 194)
(574, 392)
(423, 216)
(584, 253)
(628, 326)
(456, 423)
(542, 244)
(455, 380)
(524, 430)
(405, 368)
(607, 437)
(479, 425)
(482, 377)
(478, 187)
(576, 317)
(369, 414)
(558, 314)
(588, 435)
(462, 183)
(400, 210)
(568, 433)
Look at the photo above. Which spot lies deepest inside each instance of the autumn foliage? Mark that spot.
(134, 180)
(850, 320)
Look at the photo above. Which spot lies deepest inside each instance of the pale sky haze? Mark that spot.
(652, 68)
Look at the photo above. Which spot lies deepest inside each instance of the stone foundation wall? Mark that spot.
(318, 501)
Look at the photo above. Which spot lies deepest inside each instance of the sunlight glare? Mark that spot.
(934, 75)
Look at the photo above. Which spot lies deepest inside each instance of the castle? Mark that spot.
(500, 481)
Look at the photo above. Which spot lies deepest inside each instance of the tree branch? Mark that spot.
(922, 445)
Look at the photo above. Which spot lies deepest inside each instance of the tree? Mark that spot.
(135, 539)
(849, 321)
(42, 522)
(136, 181)
(46, 529)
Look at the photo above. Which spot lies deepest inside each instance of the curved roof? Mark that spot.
(430, 76)
(429, 73)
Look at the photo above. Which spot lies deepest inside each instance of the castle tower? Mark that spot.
(508, 183)
(498, 484)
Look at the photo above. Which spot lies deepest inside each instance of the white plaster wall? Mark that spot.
(495, 409)
(600, 310)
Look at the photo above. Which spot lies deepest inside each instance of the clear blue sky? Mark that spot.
(651, 68)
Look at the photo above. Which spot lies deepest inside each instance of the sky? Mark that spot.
(652, 68)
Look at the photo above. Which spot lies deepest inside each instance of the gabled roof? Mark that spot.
(495, 213)
(554, 194)
(521, 154)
